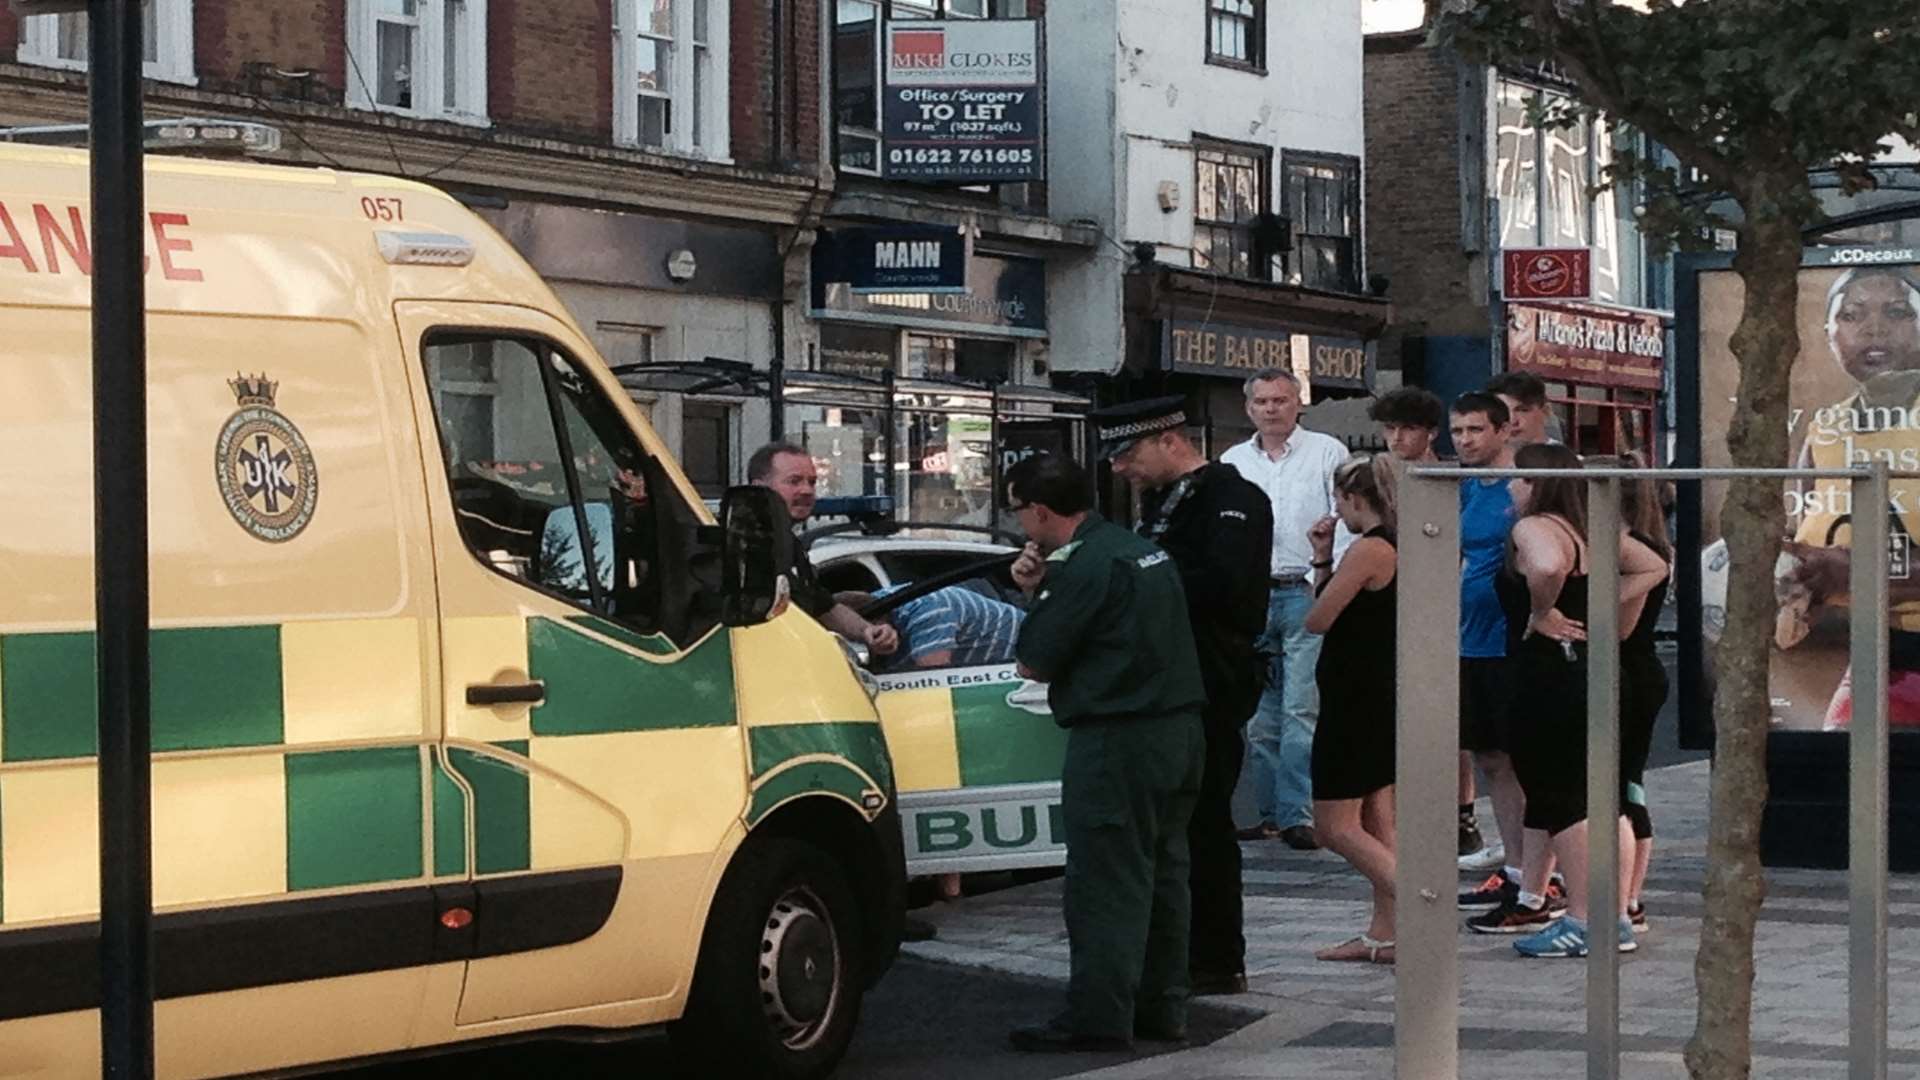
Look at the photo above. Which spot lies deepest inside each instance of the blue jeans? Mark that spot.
(1280, 736)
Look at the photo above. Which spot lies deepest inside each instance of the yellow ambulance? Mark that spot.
(469, 721)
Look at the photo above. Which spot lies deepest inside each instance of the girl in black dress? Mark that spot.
(1353, 745)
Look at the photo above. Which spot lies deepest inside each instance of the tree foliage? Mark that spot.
(1749, 95)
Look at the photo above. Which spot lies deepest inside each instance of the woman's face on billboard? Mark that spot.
(1875, 327)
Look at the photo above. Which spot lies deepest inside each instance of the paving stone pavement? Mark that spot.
(1518, 1018)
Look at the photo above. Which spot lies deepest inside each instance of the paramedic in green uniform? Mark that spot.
(1108, 631)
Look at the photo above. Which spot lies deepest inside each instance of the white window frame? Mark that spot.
(714, 124)
(430, 62)
(173, 39)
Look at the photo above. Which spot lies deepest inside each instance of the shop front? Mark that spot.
(925, 397)
(665, 292)
(1605, 370)
(1195, 334)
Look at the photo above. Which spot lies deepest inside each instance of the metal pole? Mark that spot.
(1603, 778)
(120, 539)
(1426, 1002)
(1867, 785)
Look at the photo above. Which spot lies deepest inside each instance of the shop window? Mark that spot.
(551, 489)
(1237, 33)
(949, 462)
(707, 446)
(626, 343)
(420, 57)
(848, 445)
(972, 360)
(670, 72)
(857, 43)
(60, 41)
(1322, 197)
(1230, 193)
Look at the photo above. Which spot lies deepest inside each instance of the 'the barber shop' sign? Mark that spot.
(1211, 348)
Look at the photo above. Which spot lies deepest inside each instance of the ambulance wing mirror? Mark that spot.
(756, 555)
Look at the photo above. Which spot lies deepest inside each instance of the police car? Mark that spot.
(976, 753)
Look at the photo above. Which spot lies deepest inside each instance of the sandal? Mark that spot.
(1358, 950)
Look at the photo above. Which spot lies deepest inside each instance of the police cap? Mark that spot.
(1120, 426)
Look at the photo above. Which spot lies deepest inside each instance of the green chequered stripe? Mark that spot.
(812, 776)
(1001, 744)
(861, 743)
(213, 687)
(354, 817)
(503, 813)
(594, 688)
(656, 644)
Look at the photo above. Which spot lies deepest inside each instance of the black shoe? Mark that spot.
(919, 930)
(1048, 1039)
(1496, 890)
(1160, 1033)
(1300, 838)
(1215, 983)
(1266, 830)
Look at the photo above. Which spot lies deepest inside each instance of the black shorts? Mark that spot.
(1486, 704)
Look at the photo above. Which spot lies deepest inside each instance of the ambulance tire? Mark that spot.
(777, 990)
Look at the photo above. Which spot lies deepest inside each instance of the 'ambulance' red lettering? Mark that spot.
(15, 248)
(167, 245)
(76, 244)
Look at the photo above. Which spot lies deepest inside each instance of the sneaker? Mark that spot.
(1470, 840)
(1627, 943)
(1556, 897)
(1491, 857)
(1562, 938)
(1493, 892)
(1637, 917)
(1511, 917)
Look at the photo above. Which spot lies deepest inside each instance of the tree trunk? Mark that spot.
(1752, 520)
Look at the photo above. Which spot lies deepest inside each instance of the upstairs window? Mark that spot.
(425, 58)
(1322, 197)
(60, 41)
(858, 38)
(1231, 191)
(670, 76)
(1237, 33)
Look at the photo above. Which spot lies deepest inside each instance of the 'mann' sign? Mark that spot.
(907, 255)
(901, 257)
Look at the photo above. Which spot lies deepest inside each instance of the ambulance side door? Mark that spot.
(593, 761)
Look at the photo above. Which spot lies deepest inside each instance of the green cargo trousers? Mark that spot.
(1126, 793)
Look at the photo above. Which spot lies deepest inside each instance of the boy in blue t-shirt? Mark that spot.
(1479, 426)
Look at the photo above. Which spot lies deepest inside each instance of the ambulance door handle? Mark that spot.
(525, 693)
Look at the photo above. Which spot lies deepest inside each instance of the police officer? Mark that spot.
(1219, 529)
(1108, 632)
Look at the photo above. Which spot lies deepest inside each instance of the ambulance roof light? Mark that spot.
(191, 135)
(423, 248)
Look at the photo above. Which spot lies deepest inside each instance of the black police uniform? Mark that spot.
(1218, 527)
(1108, 632)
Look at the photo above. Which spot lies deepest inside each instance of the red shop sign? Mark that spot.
(1546, 273)
(1587, 343)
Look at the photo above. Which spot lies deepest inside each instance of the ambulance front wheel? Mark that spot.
(777, 990)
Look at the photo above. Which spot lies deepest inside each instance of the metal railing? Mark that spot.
(1427, 972)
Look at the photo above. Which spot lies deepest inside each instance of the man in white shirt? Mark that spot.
(1295, 468)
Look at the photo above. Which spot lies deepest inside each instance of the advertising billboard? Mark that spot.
(1855, 399)
(960, 101)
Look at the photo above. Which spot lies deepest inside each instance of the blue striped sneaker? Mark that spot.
(1566, 937)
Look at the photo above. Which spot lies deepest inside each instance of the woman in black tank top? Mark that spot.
(1353, 744)
(1549, 755)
